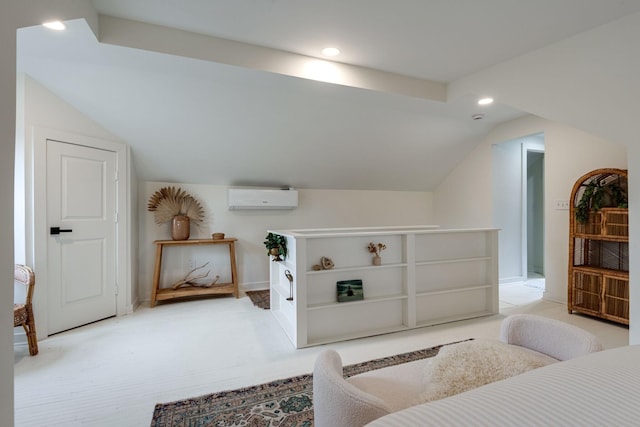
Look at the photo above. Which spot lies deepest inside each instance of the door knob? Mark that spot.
(58, 230)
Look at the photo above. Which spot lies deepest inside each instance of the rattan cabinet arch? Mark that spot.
(599, 246)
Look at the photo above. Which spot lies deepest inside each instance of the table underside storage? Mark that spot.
(160, 293)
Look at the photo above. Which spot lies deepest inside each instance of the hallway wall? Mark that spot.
(465, 197)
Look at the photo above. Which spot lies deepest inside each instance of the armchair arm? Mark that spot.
(554, 338)
(336, 402)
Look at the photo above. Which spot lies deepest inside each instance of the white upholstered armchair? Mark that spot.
(358, 400)
(337, 402)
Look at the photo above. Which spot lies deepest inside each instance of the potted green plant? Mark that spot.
(276, 246)
(599, 195)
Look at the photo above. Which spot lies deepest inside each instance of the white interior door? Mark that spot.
(81, 220)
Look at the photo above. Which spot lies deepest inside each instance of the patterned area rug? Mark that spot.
(260, 298)
(286, 402)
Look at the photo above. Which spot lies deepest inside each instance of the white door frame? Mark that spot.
(36, 212)
(527, 147)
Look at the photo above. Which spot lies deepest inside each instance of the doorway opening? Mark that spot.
(534, 218)
(518, 206)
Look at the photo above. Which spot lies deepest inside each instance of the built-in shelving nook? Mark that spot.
(599, 246)
(427, 276)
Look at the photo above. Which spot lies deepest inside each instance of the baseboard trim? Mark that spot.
(19, 337)
(255, 286)
(510, 280)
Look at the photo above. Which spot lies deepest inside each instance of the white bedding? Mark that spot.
(600, 389)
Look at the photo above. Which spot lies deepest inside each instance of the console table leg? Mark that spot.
(156, 274)
(234, 273)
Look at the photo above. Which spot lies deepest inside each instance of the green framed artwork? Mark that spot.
(350, 290)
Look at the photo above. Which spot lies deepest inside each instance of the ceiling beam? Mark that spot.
(156, 38)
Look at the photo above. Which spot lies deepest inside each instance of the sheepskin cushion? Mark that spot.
(467, 365)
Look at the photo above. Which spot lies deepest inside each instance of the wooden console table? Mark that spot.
(160, 294)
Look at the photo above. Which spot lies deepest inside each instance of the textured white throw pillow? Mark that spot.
(467, 365)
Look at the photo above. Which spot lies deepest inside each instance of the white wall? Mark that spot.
(133, 232)
(316, 209)
(465, 195)
(19, 202)
(41, 108)
(634, 243)
(590, 82)
(507, 208)
(569, 154)
(7, 143)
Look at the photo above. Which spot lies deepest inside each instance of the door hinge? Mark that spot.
(117, 289)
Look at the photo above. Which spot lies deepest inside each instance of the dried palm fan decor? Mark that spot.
(179, 207)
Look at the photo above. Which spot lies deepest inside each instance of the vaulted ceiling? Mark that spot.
(217, 92)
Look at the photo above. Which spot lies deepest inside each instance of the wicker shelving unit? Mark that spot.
(599, 250)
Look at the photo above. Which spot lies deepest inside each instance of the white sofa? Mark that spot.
(355, 401)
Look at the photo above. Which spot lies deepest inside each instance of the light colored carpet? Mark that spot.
(107, 373)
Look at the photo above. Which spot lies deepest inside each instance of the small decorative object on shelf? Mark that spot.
(190, 280)
(350, 290)
(325, 264)
(289, 277)
(217, 236)
(180, 227)
(179, 207)
(376, 249)
(276, 246)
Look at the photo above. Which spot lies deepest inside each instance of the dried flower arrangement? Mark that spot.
(376, 249)
(169, 202)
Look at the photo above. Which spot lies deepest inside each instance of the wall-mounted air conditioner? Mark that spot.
(257, 198)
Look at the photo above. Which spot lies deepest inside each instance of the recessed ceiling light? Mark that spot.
(330, 51)
(485, 101)
(55, 25)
